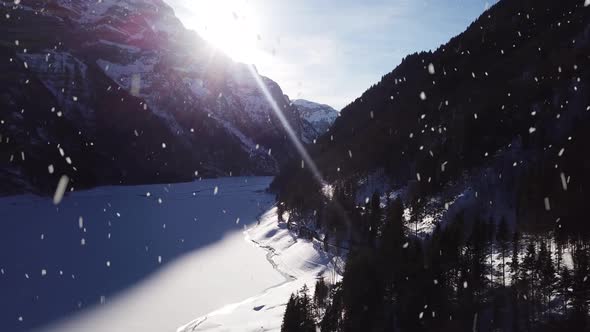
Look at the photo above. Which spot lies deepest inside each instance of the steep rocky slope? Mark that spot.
(120, 92)
(316, 119)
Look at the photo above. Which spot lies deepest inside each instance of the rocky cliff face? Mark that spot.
(316, 119)
(118, 91)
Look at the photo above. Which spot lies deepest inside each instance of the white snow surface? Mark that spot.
(224, 268)
(316, 118)
(300, 261)
(238, 276)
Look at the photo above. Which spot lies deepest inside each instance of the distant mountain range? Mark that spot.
(114, 92)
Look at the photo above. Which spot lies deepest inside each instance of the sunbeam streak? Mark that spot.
(292, 136)
(295, 140)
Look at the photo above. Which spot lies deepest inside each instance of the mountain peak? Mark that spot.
(316, 118)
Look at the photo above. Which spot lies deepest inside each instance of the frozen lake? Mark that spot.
(120, 259)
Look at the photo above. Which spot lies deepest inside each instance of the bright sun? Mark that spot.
(229, 25)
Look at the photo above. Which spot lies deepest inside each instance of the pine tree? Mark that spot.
(291, 316)
(490, 231)
(320, 295)
(477, 245)
(529, 269)
(564, 286)
(361, 296)
(546, 273)
(374, 217)
(580, 287)
(306, 319)
(280, 211)
(502, 239)
(391, 241)
(332, 320)
(515, 264)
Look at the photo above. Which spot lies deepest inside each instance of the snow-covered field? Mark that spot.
(300, 261)
(120, 259)
(152, 258)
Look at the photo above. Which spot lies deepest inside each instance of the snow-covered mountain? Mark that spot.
(120, 92)
(316, 119)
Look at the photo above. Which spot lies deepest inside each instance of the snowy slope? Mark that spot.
(300, 261)
(116, 259)
(316, 119)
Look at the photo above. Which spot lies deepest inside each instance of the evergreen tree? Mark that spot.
(374, 217)
(515, 264)
(529, 264)
(298, 313)
(306, 318)
(580, 287)
(546, 274)
(361, 296)
(490, 231)
(280, 211)
(320, 295)
(291, 317)
(502, 239)
(476, 251)
(565, 288)
(332, 320)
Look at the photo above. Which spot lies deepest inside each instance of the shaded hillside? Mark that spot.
(459, 184)
(490, 111)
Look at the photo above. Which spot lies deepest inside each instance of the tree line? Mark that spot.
(478, 275)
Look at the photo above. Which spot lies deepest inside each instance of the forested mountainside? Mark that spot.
(115, 92)
(454, 161)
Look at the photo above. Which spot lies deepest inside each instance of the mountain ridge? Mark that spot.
(143, 99)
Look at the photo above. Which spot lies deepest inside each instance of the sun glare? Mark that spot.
(229, 25)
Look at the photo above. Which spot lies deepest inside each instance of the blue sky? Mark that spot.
(327, 51)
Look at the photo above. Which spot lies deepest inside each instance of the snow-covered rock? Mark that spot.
(316, 119)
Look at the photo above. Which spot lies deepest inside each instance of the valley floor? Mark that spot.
(151, 262)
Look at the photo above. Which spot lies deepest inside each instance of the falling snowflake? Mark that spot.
(563, 181)
(431, 68)
(60, 190)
